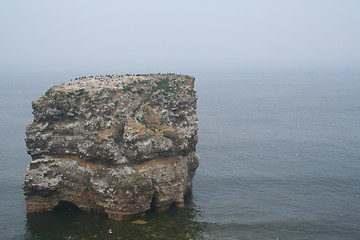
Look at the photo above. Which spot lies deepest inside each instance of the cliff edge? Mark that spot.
(113, 144)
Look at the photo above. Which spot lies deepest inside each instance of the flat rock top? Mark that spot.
(116, 81)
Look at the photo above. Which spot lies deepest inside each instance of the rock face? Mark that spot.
(114, 144)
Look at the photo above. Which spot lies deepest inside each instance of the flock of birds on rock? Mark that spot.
(122, 75)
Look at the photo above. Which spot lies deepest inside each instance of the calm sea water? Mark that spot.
(280, 159)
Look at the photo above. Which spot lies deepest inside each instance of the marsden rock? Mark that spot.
(114, 144)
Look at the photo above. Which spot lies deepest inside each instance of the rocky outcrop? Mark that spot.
(114, 144)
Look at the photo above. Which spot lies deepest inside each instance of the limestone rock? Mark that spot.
(114, 144)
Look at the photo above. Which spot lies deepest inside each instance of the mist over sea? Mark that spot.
(280, 159)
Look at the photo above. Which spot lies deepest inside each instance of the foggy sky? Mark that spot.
(122, 36)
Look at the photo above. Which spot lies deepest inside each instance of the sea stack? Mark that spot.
(119, 145)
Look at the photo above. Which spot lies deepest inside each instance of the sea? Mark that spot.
(280, 160)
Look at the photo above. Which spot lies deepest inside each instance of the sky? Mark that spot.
(141, 36)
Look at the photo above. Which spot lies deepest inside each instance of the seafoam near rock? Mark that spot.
(114, 144)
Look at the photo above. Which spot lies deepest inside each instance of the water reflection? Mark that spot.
(175, 223)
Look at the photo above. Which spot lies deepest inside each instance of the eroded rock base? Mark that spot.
(119, 192)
